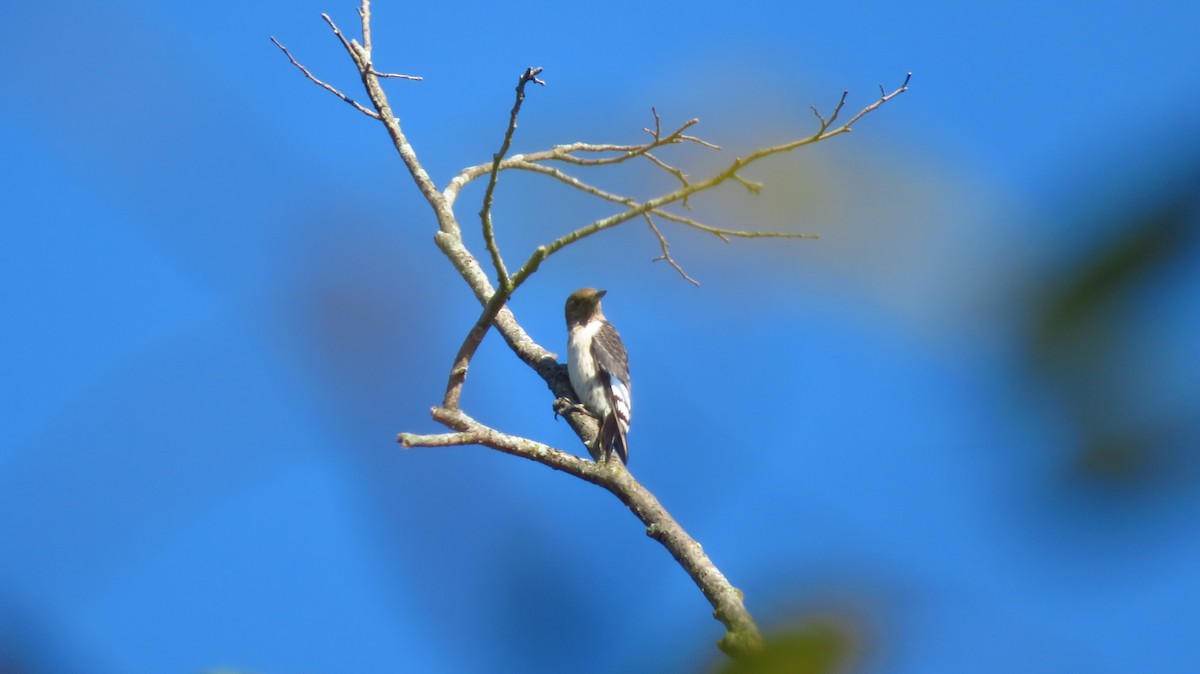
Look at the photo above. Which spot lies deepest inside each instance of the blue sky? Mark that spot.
(222, 301)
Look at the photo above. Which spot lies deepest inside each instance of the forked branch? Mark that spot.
(742, 635)
(485, 215)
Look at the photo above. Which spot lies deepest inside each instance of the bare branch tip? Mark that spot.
(700, 141)
(657, 132)
(531, 75)
(324, 85)
(752, 186)
(400, 76)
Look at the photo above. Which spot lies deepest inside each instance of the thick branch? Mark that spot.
(742, 635)
(409, 440)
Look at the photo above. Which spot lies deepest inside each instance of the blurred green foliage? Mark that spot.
(1091, 342)
(810, 646)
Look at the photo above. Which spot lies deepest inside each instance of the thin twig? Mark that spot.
(518, 162)
(699, 141)
(485, 215)
(567, 153)
(721, 233)
(666, 251)
(364, 13)
(417, 78)
(447, 222)
(820, 118)
(681, 194)
(884, 97)
(657, 124)
(724, 234)
(752, 186)
(354, 53)
(837, 110)
(679, 175)
(370, 113)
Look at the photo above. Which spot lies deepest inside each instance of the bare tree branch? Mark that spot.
(350, 48)
(742, 635)
(636, 209)
(458, 373)
(753, 187)
(409, 440)
(519, 162)
(568, 153)
(666, 251)
(485, 215)
(327, 87)
(370, 78)
(679, 175)
(364, 14)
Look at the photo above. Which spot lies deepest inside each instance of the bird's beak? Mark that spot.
(600, 293)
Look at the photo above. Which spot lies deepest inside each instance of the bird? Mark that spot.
(598, 366)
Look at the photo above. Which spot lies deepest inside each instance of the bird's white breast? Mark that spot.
(581, 367)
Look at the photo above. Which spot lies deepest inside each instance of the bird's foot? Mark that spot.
(565, 406)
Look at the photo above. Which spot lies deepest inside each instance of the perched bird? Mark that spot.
(599, 369)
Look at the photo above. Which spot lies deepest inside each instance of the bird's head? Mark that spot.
(584, 305)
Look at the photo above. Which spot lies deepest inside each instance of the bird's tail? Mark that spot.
(612, 438)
